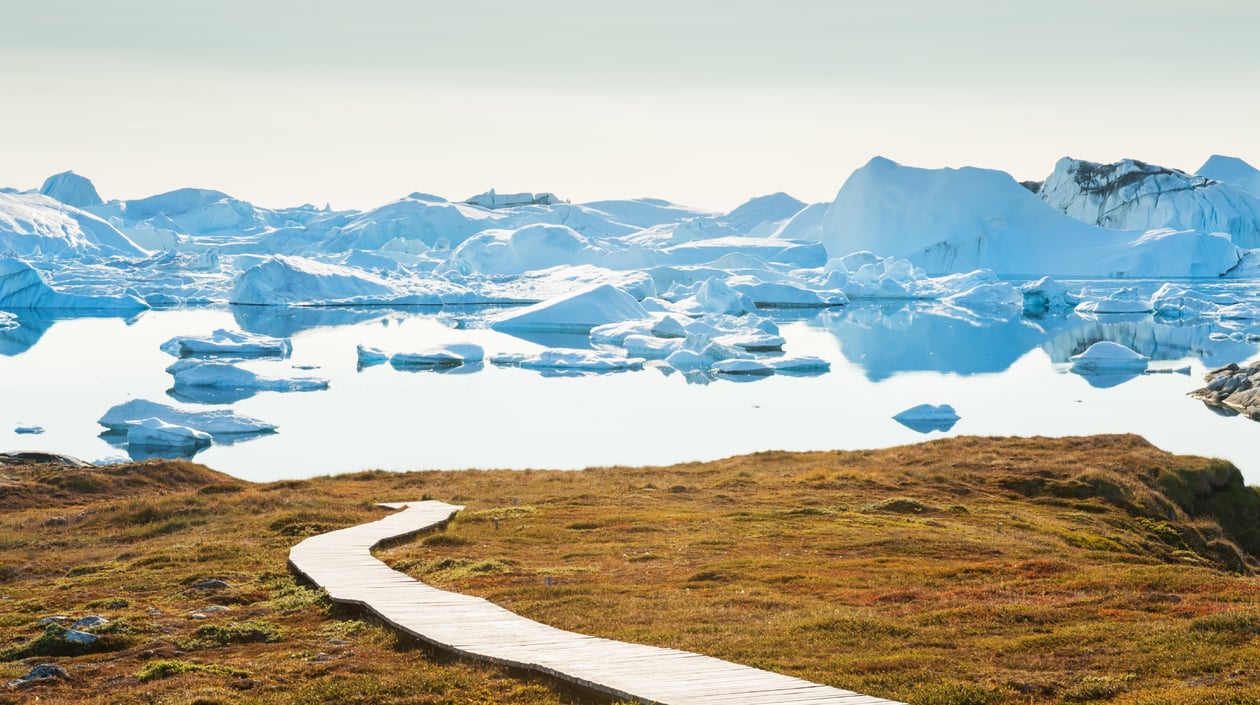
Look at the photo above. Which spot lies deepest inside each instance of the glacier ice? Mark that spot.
(71, 189)
(23, 287)
(1232, 171)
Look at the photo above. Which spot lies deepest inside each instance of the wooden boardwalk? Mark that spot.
(342, 563)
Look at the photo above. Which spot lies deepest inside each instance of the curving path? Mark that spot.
(342, 563)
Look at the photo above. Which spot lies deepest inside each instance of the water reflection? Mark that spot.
(34, 323)
(889, 338)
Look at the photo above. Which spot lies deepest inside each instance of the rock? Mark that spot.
(210, 584)
(75, 636)
(54, 619)
(90, 622)
(42, 673)
(27, 457)
(1233, 387)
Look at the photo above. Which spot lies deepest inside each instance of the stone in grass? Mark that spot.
(90, 622)
(210, 584)
(43, 673)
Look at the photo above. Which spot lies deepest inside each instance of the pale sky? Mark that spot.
(703, 102)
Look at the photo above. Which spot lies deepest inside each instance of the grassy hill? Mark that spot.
(963, 571)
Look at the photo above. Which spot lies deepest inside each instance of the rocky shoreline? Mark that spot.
(1234, 388)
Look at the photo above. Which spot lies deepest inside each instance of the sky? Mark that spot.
(703, 102)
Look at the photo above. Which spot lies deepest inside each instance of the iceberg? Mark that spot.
(221, 424)
(447, 356)
(1134, 195)
(225, 343)
(1047, 296)
(748, 367)
(215, 374)
(28, 429)
(22, 287)
(539, 246)
(1127, 300)
(764, 216)
(926, 418)
(957, 220)
(153, 433)
(71, 189)
(1106, 356)
(804, 365)
(577, 360)
(295, 281)
(38, 225)
(577, 312)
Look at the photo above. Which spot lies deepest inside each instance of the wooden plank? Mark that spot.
(341, 562)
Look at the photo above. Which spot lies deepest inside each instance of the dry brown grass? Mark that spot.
(963, 571)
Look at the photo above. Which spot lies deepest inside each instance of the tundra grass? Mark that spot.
(962, 571)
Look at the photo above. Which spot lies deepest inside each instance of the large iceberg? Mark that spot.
(957, 220)
(1134, 195)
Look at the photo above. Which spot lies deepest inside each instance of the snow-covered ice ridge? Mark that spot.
(892, 231)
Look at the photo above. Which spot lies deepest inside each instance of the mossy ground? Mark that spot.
(962, 571)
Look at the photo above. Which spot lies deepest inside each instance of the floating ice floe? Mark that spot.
(222, 424)
(578, 312)
(445, 357)
(1127, 300)
(926, 418)
(153, 433)
(368, 356)
(578, 360)
(28, 429)
(225, 343)
(1107, 364)
(215, 374)
(750, 367)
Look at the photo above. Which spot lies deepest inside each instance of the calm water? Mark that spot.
(1005, 376)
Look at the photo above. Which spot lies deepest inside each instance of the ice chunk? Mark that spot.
(926, 418)
(743, 367)
(583, 360)
(784, 295)
(453, 355)
(368, 356)
(1047, 295)
(1107, 356)
(217, 422)
(670, 327)
(714, 296)
(578, 312)
(803, 365)
(225, 343)
(775, 250)
(763, 216)
(539, 246)
(156, 433)
(285, 280)
(650, 347)
(1127, 300)
(28, 429)
(224, 375)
